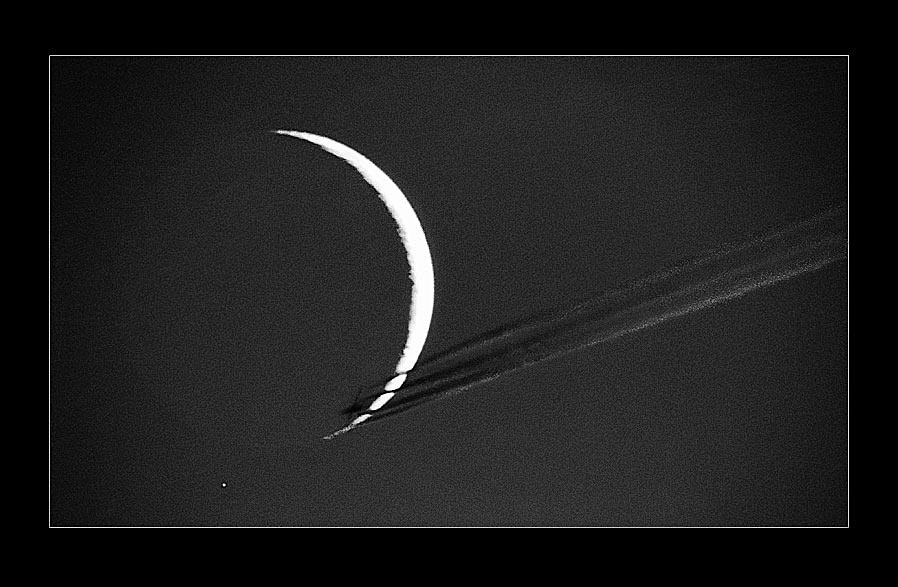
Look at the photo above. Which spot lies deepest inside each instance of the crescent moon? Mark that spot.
(416, 249)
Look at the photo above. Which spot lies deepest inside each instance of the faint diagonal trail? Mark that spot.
(723, 274)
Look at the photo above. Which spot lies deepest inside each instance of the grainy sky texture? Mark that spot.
(219, 294)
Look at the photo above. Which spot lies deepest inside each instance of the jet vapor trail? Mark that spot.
(720, 275)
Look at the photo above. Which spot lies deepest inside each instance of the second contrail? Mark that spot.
(701, 282)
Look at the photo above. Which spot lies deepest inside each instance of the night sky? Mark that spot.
(218, 293)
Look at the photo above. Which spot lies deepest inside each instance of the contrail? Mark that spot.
(720, 275)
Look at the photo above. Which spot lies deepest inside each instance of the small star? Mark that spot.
(224, 484)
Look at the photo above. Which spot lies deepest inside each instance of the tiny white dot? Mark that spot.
(224, 484)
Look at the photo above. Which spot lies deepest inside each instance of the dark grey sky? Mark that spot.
(219, 293)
